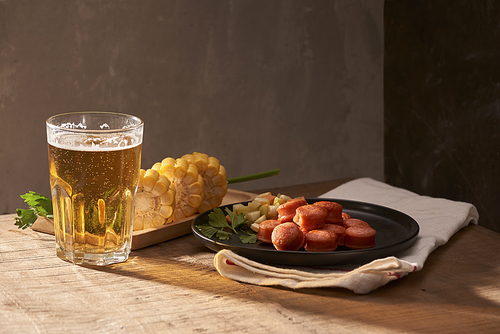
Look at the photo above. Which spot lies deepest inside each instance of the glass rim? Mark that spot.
(140, 122)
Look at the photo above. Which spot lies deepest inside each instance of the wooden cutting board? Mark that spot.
(151, 236)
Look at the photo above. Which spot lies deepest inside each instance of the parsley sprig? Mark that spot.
(219, 227)
(40, 206)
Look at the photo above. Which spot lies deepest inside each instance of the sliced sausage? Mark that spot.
(286, 211)
(334, 211)
(360, 237)
(320, 241)
(310, 217)
(287, 236)
(354, 222)
(266, 229)
(339, 230)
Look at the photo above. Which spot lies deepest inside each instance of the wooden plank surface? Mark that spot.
(173, 287)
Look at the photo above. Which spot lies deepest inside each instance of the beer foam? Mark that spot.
(73, 126)
(82, 142)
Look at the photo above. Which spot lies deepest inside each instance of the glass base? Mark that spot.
(93, 259)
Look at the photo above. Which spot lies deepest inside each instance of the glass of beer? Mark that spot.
(94, 162)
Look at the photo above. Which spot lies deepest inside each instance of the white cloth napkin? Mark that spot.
(438, 219)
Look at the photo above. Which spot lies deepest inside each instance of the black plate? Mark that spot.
(396, 231)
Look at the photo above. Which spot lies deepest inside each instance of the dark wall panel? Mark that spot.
(442, 101)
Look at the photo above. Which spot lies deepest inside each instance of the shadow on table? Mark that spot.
(444, 289)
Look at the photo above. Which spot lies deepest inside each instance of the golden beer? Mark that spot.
(94, 179)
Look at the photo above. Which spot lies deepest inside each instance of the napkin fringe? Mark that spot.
(361, 280)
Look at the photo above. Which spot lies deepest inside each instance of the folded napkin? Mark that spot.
(438, 219)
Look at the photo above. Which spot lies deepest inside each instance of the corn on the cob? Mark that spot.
(188, 184)
(154, 203)
(214, 179)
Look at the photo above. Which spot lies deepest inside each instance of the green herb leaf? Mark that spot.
(40, 203)
(249, 238)
(223, 235)
(39, 206)
(217, 226)
(26, 218)
(217, 218)
(236, 220)
(207, 230)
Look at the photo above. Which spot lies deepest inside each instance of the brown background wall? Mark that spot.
(442, 101)
(295, 85)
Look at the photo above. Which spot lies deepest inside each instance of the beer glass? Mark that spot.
(94, 163)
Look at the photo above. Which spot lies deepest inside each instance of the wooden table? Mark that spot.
(173, 287)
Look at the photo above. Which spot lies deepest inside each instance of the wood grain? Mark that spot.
(173, 287)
